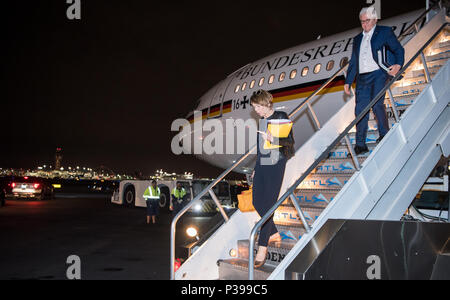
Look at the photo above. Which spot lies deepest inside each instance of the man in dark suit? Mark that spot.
(371, 74)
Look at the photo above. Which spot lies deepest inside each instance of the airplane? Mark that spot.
(290, 76)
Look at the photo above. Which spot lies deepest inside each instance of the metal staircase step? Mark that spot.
(308, 198)
(400, 109)
(237, 269)
(439, 56)
(287, 215)
(290, 234)
(275, 251)
(418, 75)
(335, 166)
(442, 45)
(373, 125)
(409, 90)
(372, 136)
(325, 181)
(342, 152)
(402, 101)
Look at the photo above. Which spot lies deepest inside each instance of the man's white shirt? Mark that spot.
(366, 62)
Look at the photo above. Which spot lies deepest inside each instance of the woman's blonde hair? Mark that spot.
(262, 97)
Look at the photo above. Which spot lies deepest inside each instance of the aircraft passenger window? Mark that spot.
(305, 71)
(282, 76)
(330, 65)
(244, 85)
(317, 68)
(261, 81)
(271, 79)
(252, 84)
(238, 87)
(344, 61)
(293, 74)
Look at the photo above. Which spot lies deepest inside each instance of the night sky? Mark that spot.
(106, 88)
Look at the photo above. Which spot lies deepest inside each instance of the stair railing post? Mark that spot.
(425, 67)
(251, 256)
(352, 153)
(314, 116)
(216, 200)
(394, 108)
(300, 213)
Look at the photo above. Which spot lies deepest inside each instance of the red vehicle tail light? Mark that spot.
(36, 185)
(13, 184)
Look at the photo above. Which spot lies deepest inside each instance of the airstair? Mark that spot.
(325, 179)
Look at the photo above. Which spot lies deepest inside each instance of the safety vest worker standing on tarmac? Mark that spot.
(151, 195)
(178, 199)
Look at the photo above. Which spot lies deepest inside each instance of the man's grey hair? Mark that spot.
(370, 12)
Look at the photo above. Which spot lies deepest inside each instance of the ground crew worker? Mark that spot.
(151, 196)
(178, 199)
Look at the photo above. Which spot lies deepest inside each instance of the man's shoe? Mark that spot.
(380, 138)
(361, 150)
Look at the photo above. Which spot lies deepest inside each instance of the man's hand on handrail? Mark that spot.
(393, 70)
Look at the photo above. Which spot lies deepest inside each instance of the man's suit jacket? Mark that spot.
(383, 37)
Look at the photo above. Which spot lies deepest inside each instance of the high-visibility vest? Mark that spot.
(151, 193)
(179, 194)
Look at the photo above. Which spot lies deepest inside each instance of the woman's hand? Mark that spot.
(267, 136)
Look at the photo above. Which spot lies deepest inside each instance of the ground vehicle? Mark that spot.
(2, 196)
(130, 193)
(30, 187)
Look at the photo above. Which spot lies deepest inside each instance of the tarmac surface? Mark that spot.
(112, 242)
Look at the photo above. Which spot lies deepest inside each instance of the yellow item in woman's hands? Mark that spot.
(279, 129)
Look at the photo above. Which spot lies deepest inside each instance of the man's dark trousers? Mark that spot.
(367, 87)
